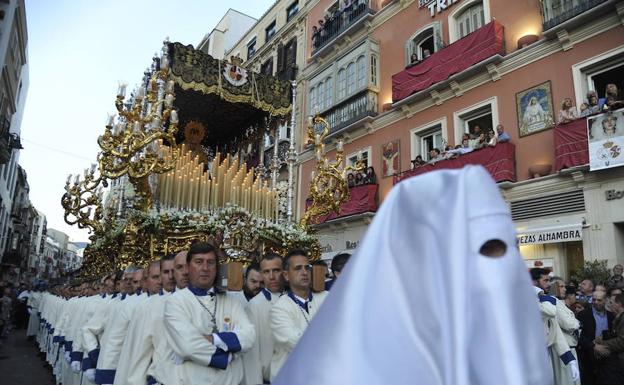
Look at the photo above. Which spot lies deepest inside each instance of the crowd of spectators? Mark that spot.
(362, 178)
(13, 309)
(477, 139)
(612, 101)
(594, 329)
(334, 21)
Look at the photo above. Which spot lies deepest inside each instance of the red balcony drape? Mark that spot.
(499, 161)
(571, 144)
(483, 43)
(363, 199)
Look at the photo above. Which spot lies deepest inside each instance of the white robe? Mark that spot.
(418, 303)
(569, 325)
(33, 321)
(200, 362)
(257, 360)
(288, 323)
(113, 338)
(138, 349)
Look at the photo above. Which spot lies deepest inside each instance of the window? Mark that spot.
(342, 84)
(267, 67)
(595, 73)
(270, 31)
(350, 78)
(471, 19)
(329, 93)
(427, 137)
(483, 114)
(374, 70)
(313, 101)
(364, 155)
(251, 48)
(361, 72)
(292, 10)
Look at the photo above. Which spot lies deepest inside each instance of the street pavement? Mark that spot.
(19, 362)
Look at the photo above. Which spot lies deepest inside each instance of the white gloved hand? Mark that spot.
(176, 358)
(67, 357)
(574, 370)
(75, 365)
(90, 374)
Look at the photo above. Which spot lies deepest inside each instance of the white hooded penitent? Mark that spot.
(419, 304)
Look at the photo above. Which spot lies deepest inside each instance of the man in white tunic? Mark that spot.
(115, 332)
(258, 359)
(292, 313)
(436, 294)
(205, 328)
(138, 349)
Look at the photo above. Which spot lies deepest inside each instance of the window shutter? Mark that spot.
(280, 58)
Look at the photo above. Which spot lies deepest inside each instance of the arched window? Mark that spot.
(342, 84)
(350, 78)
(423, 43)
(329, 92)
(361, 72)
(470, 19)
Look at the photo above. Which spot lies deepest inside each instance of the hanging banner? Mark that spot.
(554, 234)
(605, 135)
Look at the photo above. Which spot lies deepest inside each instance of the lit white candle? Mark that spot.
(69, 178)
(317, 139)
(169, 87)
(141, 92)
(312, 175)
(164, 63)
(93, 166)
(169, 100)
(121, 90)
(340, 145)
(137, 127)
(174, 117)
(109, 120)
(77, 179)
(310, 121)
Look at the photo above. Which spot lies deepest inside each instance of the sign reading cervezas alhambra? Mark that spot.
(436, 6)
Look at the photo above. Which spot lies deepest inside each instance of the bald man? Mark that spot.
(180, 270)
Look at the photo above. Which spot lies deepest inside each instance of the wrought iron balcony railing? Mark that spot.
(555, 12)
(340, 22)
(358, 107)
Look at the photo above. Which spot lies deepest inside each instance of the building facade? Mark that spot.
(396, 79)
(13, 90)
(226, 33)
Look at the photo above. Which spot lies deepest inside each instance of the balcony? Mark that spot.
(571, 147)
(362, 199)
(499, 161)
(8, 140)
(358, 107)
(555, 12)
(472, 52)
(347, 21)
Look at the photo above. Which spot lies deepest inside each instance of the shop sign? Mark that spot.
(436, 6)
(614, 194)
(551, 236)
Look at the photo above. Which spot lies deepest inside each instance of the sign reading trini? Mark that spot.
(436, 6)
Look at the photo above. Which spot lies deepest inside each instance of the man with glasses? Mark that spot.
(292, 313)
(206, 329)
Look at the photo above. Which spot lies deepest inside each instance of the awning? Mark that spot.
(551, 234)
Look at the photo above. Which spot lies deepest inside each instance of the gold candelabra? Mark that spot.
(328, 188)
(131, 146)
(80, 199)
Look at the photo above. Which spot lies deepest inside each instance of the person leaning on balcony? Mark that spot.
(315, 35)
(435, 156)
(418, 161)
(350, 180)
(370, 177)
(414, 58)
(594, 105)
(613, 97)
(568, 112)
(502, 136)
(491, 139)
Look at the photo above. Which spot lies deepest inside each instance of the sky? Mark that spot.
(78, 50)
